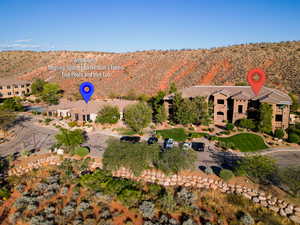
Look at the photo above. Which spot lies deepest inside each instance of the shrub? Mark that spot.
(147, 209)
(279, 133)
(246, 219)
(293, 138)
(138, 116)
(246, 123)
(72, 124)
(81, 151)
(226, 174)
(229, 126)
(108, 114)
(258, 167)
(4, 193)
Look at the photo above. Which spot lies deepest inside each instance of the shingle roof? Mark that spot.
(90, 107)
(13, 81)
(268, 95)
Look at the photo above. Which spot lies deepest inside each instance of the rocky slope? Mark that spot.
(150, 71)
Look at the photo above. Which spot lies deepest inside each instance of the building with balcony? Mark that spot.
(11, 88)
(232, 103)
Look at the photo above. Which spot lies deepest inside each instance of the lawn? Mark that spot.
(246, 142)
(177, 134)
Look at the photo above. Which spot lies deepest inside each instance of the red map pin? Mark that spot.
(256, 78)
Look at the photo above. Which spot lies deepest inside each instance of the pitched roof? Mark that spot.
(268, 95)
(90, 107)
(13, 81)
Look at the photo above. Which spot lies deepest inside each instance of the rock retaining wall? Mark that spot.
(279, 206)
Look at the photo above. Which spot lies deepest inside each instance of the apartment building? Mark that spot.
(10, 88)
(231, 103)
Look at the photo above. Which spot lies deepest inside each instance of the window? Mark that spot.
(16, 86)
(240, 109)
(27, 85)
(88, 118)
(76, 116)
(220, 113)
(9, 93)
(1, 87)
(83, 117)
(17, 92)
(8, 87)
(278, 118)
(22, 85)
(220, 101)
(23, 92)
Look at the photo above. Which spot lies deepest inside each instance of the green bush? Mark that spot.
(279, 133)
(108, 114)
(138, 116)
(72, 124)
(246, 123)
(4, 193)
(293, 138)
(229, 126)
(226, 174)
(81, 151)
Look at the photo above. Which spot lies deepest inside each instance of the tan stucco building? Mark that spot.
(11, 88)
(231, 103)
(81, 111)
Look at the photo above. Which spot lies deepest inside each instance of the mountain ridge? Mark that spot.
(150, 71)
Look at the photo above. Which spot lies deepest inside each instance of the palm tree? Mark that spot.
(70, 139)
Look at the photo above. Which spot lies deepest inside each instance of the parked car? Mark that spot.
(198, 146)
(131, 139)
(168, 143)
(152, 140)
(187, 145)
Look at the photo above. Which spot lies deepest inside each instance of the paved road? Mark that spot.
(30, 135)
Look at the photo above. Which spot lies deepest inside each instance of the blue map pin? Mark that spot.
(86, 90)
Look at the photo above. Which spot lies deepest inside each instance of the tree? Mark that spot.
(202, 110)
(12, 105)
(6, 119)
(186, 112)
(175, 160)
(136, 157)
(159, 114)
(70, 139)
(279, 133)
(295, 102)
(37, 87)
(138, 116)
(258, 167)
(51, 93)
(290, 176)
(173, 88)
(108, 114)
(265, 118)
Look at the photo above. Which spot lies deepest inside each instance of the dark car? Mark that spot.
(198, 146)
(152, 140)
(131, 139)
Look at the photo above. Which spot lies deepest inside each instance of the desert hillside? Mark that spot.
(150, 71)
